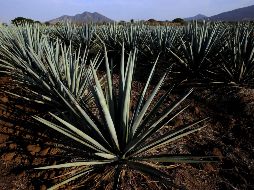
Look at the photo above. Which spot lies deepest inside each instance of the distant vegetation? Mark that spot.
(22, 20)
(178, 20)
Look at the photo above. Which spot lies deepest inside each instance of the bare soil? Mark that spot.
(229, 136)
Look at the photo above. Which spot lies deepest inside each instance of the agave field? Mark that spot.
(127, 106)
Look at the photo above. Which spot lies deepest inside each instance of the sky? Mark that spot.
(44, 10)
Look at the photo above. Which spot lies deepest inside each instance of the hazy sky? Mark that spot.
(44, 10)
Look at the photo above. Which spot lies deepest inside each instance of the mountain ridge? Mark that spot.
(85, 17)
(196, 17)
(239, 14)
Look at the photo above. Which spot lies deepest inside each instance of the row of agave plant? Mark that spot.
(210, 53)
(58, 67)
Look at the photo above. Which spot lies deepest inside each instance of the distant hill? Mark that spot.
(197, 17)
(242, 14)
(85, 17)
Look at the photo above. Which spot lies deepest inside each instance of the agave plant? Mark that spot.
(134, 36)
(110, 36)
(65, 32)
(161, 39)
(198, 45)
(237, 58)
(77, 35)
(115, 136)
(40, 66)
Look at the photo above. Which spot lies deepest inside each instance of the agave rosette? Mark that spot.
(41, 66)
(116, 137)
(237, 57)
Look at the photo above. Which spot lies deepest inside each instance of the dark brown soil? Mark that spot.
(229, 135)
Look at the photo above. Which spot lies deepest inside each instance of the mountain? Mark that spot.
(197, 17)
(85, 17)
(241, 14)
